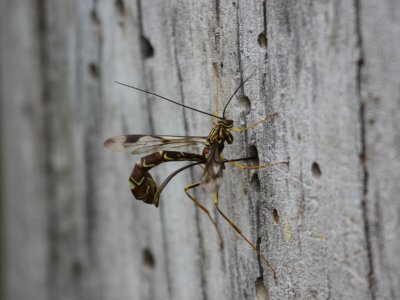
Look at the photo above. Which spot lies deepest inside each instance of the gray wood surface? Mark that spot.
(328, 222)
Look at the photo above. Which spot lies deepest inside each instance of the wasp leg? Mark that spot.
(275, 114)
(237, 229)
(197, 203)
(244, 167)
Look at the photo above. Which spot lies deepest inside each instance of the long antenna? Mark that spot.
(238, 88)
(172, 101)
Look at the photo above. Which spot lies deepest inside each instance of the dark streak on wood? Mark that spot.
(364, 203)
(147, 74)
(48, 146)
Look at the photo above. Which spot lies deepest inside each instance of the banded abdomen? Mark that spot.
(141, 182)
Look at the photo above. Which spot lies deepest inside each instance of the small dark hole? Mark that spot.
(76, 268)
(148, 258)
(215, 66)
(299, 136)
(253, 154)
(120, 6)
(255, 183)
(94, 70)
(316, 170)
(363, 159)
(262, 40)
(275, 216)
(95, 17)
(261, 290)
(221, 65)
(244, 106)
(147, 48)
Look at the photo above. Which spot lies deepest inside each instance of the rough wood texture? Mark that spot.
(328, 222)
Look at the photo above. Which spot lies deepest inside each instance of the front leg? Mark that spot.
(275, 114)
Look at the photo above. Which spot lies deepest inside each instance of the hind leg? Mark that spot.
(244, 167)
(199, 205)
(237, 229)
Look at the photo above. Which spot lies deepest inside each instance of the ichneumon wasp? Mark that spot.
(165, 149)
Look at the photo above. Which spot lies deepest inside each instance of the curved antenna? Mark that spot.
(172, 101)
(238, 88)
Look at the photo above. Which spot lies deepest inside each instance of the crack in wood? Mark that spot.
(363, 154)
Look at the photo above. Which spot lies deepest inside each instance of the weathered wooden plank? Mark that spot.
(326, 222)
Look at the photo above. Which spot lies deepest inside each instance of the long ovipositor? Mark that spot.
(141, 182)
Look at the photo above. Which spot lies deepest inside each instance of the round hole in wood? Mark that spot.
(76, 268)
(244, 105)
(262, 40)
(275, 216)
(316, 170)
(120, 6)
(255, 183)
(94, 70)
(148, 258)
(253, 154)
(261, 290)
(146, 47)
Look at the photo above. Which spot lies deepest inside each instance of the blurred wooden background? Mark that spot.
(329, 222)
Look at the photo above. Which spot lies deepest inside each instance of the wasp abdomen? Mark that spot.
(145, 189)
(142, 184)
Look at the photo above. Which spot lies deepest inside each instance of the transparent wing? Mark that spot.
(212, 177)
(139, 143)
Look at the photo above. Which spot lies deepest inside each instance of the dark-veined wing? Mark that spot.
(139, 143)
